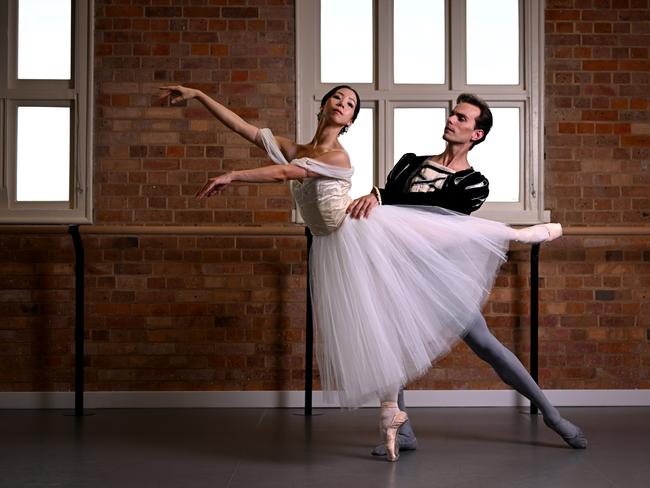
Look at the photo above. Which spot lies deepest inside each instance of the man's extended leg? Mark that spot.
(512, 372)
(406, 438)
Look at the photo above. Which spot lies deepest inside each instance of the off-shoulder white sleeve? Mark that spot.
(271, 147)
(324, 169)
(273, 150)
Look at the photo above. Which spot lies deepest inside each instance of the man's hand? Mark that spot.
(362, 206)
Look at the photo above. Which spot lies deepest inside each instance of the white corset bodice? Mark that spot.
(322, 200)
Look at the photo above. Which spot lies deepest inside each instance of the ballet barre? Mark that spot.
(534, 302)
(75, 231)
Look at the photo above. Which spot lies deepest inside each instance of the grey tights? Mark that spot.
(512, 372)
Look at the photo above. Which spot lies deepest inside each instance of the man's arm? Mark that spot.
(464, 194)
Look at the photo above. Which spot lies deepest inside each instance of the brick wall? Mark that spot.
(597, 173)
(184, 312)
(597, 113)
(152, 157)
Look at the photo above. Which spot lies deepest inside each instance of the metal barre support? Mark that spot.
(79, 321)
(534, 317)
(309, 337)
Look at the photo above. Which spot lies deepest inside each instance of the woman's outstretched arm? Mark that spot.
(266, 174)
(230, 119)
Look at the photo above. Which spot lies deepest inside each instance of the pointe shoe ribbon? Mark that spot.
(539, 233)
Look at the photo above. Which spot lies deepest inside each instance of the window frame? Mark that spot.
(75, 93)
(383, 94)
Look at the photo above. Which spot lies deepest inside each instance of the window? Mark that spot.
(409, 60)
(45, 111)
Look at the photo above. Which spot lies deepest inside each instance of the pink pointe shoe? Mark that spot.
(539, 233)
(389, 430)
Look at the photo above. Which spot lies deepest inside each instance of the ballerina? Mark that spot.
(390, 293)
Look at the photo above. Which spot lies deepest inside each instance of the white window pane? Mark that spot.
(359, 142)
(498, 156)
(419, 36)
(418, 130)
(43, 154)
(44, 33)
(346, 41)
(492, 42)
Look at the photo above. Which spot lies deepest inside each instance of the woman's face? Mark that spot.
(340, 107)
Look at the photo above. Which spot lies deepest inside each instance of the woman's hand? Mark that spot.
(215, 185)
(178, 93)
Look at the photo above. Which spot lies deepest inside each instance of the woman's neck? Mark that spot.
(326, 137)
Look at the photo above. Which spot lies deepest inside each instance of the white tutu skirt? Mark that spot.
(394, 292)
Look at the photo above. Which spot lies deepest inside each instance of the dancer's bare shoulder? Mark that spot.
(335, 157)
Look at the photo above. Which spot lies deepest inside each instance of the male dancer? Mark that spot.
(447, 180)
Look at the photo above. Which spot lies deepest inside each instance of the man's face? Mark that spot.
(461, 124)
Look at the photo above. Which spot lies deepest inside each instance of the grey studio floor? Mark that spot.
(458, 447)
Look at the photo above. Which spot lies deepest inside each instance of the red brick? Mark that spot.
(552, 14)
(599, 115)
(239, 12)
(600, 65)
(200, 49)
(123, 11)
(203, 12)
(237, 75)
(566, 128)
(163, 12)
(160, 50)
(634, 65)
(636, 140)
(219, 50)
(171, 37)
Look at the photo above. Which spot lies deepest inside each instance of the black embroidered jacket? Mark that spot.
(464, 191)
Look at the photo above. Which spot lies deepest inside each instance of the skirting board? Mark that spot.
(295, 399)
